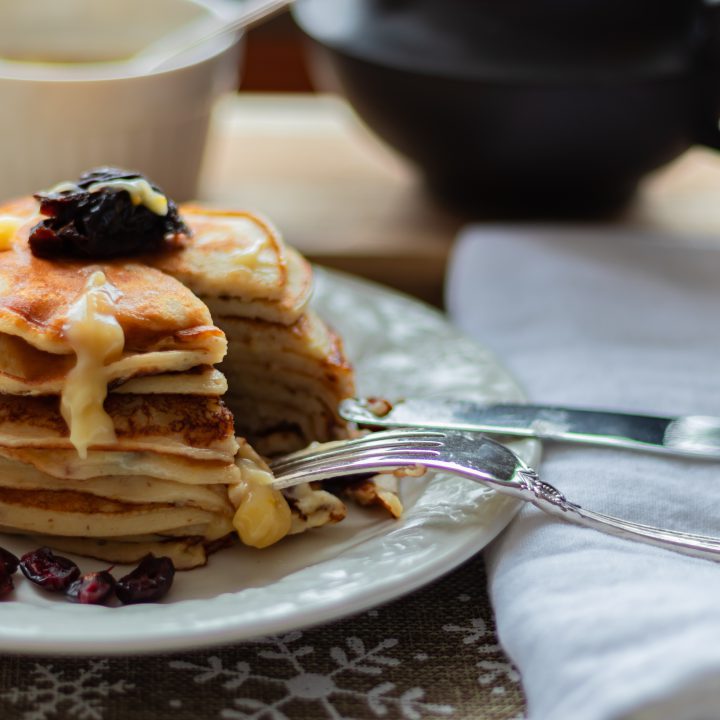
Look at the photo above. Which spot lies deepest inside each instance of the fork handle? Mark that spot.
(550, 500)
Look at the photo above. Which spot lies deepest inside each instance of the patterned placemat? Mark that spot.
(433, 654)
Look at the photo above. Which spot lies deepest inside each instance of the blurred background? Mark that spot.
(446, 112)
(372, 131)
(276, 58)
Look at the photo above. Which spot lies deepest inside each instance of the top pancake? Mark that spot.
(229, 253)
(155, 311)
(235, 261)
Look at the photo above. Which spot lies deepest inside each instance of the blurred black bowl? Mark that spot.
(527, 107)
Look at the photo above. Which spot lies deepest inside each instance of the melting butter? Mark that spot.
(64, 186)
(262, 516)
(249, 256)
(141, 193)
(235, 244)
(140, 190)
(9, 225)
(96, 337)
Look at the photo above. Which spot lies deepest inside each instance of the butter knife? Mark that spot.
(690, 435)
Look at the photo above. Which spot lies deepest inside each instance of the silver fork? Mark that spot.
(478, 458)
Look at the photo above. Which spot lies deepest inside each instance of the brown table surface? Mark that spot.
(349, 202)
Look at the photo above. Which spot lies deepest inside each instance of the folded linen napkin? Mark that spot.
(603, 628)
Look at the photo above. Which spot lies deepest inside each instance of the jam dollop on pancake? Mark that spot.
(106, 213)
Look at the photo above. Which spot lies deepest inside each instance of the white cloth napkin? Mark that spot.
(600, 627)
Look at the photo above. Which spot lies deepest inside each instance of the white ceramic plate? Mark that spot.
(399, 348)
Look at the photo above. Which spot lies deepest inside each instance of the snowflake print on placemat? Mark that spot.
(472, 633)
(494, 666)
(327, 689)
(52, 694)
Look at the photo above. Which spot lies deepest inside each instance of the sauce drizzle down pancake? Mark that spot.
(96, 336)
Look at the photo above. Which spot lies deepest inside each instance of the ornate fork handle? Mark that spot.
(549, 499)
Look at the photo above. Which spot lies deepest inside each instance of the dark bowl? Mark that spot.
(527, 139)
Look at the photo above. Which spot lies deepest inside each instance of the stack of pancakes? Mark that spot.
(111, 473)
(114, 439)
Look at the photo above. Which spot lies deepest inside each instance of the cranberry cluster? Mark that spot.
(148, 582)
(101, 224)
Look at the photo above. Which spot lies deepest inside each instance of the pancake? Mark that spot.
(229, 253)
(200, 380)
(76, 514)
(136, 489)
(239, 265)
(285, 310)
(155, 311)
(25, 370)
(191, 426)
(380, 490)
(67, 464)
(313, 507)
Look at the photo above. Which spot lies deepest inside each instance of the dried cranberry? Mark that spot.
(49, 571)
(148, 582)
(6, 583)
(101, 224)
(8, 561)
(92, 588)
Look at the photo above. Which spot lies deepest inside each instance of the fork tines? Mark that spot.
(379, 443)
(377, 452)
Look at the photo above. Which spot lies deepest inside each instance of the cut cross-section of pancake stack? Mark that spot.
(114, 436)
(286, 369)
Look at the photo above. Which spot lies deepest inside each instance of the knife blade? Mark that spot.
(688, 435)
